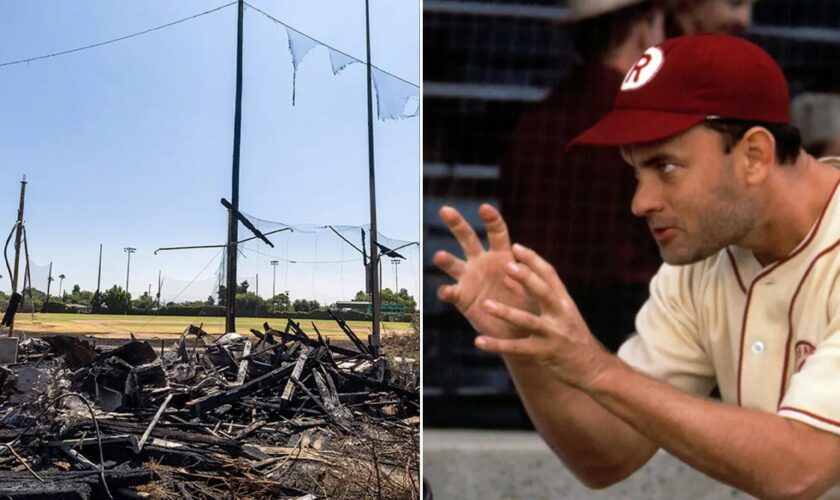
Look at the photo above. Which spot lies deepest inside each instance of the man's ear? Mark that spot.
(758, 149)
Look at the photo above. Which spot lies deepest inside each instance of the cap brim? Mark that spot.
(623, 127)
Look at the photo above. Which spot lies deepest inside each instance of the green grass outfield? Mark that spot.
(118, 326)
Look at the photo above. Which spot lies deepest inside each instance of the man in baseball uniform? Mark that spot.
(748, 298)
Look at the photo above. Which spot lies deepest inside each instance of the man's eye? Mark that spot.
(667, 168)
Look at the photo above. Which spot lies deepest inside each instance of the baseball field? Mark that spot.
(119, 326)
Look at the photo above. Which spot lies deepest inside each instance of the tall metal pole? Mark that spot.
(274, 279)
(374, 254)
(160, 283)
(99, 273)
(18, 236)
(49, 282)
(396, 263)
(129, 251)
(230, 292)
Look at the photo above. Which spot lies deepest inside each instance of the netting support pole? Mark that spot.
(230, 291)
(18, 235)
(374, 250)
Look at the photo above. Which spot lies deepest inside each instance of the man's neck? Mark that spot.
(797, 197)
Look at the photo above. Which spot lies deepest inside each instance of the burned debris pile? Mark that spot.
(284, 415)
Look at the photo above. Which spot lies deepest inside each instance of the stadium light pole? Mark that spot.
(274, 279)
(129, 251)
(396, 263)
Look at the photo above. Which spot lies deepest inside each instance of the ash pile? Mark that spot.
(285, 415)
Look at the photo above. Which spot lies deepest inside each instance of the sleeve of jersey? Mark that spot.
(812, 397)
(666, 345)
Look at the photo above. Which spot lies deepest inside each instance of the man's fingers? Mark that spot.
(450, 264)
(448, 293)
(539, 265)
(517, 317)
(497, 231)
(462, 231)
(527, 346)
(533, 284)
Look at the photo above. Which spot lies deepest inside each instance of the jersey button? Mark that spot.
(758, 347)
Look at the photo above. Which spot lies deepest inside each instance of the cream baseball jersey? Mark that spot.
(768, 336)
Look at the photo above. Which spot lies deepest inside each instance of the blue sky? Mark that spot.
(130, 144)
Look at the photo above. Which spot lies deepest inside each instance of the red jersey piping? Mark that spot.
(768, 271)
(790, 317)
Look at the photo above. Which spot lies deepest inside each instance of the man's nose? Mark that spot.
(647, 199)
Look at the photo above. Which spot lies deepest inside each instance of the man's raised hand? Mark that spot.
(481, 275)
(556, 337)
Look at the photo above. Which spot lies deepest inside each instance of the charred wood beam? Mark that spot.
(350, 334)
(294, 327)
(314, 399)
(311, 343)
(288, 392)
(210, 402)
(164, 432)
(410, 395)
(243, 364)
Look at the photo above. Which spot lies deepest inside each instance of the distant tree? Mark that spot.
(279, 302)
(60, 281)
(79, 296)
(303, 305)
(36, 303)
(116, 300)
(361, 297)
(209, 301)
(96, 302)
(222, 294)
(145, 303)
(387, 295)
(243, 287)
(250, 303)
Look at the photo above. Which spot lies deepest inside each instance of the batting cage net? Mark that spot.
(507, 85)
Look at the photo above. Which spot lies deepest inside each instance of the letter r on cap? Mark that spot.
(644, 70)
(636, 71)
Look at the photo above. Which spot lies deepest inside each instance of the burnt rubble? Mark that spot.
(285, 415)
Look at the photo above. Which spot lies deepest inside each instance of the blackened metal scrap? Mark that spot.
(152, 424)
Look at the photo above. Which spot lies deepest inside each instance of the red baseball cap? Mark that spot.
(685, 80)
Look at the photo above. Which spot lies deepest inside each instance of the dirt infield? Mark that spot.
(119, 326)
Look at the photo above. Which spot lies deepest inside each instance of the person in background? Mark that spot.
(721, 17)
(817, 115)
(572, 208)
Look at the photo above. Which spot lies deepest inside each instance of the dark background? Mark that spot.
(484, 62)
